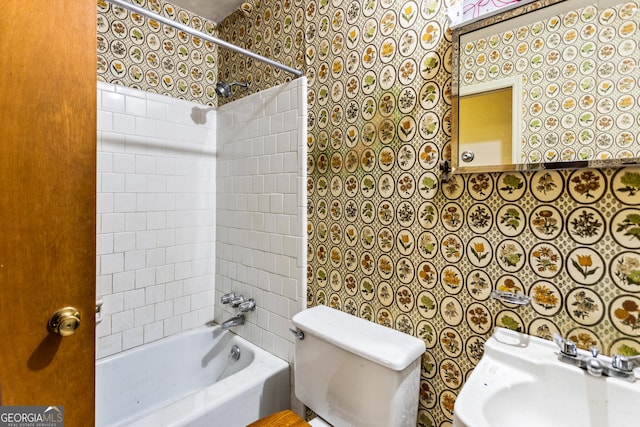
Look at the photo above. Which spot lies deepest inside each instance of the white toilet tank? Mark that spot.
(353, 372)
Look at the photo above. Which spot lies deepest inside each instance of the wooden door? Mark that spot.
(47, 203)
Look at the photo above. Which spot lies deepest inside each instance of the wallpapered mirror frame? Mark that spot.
(529, 7)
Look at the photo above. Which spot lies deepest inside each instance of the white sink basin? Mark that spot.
(519, 382)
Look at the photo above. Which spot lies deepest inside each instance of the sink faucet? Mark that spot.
(569, 354)
(594, 366)
(620, 366)
(625, 363)
(234, 321)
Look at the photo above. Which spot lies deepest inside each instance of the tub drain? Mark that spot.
(235, 352)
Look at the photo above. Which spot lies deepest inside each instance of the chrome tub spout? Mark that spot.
(234, 321)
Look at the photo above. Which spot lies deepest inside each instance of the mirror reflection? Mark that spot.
(491, 131)
(551, 84)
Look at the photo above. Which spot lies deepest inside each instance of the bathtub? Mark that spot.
(190, 379)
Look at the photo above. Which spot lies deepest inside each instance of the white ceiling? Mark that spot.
(215, 10)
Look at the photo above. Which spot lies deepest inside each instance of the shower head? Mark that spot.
(223, 89)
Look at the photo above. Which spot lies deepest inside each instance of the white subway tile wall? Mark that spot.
(156, 200)
(261, 212)
(174, 235)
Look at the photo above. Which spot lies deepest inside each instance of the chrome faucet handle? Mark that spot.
(248, 305)
(237, 301)
(567, 347)
(227, 298)
(625, 363)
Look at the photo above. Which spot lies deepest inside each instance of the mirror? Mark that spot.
(549, 84)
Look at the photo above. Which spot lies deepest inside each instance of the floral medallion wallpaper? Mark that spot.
(141, 53)
(391, 242)
(463, 11)
(274, 30)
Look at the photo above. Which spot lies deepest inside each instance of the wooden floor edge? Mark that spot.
(286, 418)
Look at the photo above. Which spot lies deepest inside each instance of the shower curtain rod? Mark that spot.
(194, 32)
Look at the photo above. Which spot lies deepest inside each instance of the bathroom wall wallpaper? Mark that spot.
(275, 30)
(464, 11)
(141, 53)
(390, 242)
(579, 72)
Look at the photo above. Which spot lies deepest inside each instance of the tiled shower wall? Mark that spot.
(261, 217)
(149, 292)
(156, 216)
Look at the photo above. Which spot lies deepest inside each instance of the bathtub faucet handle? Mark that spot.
(227, 298)
(248, 305)
(235, 302)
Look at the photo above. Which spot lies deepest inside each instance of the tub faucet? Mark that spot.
(227, 298)
(234, 321)
(248, 305)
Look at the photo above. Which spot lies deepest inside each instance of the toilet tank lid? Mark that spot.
(379, 344)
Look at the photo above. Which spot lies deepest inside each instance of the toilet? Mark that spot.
(353, 372)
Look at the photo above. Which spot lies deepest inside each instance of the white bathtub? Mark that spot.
(190, 380)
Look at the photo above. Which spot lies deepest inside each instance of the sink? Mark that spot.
(520, 382)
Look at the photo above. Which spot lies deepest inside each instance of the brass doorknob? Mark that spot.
(65, 321)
